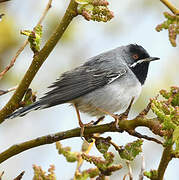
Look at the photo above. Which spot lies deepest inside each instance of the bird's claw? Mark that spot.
(82, 126)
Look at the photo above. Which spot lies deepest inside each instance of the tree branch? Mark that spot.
(1, 1)
(152, 124)
(19, 177)
(38, 60)
(141, 175)
(170, 6)
(136, 134)
(25, 42)
(166, 158)
(2, 92)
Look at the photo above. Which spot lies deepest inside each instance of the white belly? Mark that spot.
(111, 98)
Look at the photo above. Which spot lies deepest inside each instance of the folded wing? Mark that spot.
(79, 82)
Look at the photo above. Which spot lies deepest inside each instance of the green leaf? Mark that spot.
(153, 174)
(168, 124)
(131, 150)
(29, 97)
(89, 173)
(166, 113)
(34, 37)
(102, 144)
(66, 152)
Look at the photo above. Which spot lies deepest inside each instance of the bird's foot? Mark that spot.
(116, 122)
(115, 116)
(82, 126)
(92, 123)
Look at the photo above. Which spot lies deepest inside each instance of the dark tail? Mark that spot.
(23, 111)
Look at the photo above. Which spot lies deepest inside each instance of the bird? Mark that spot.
(104, 84)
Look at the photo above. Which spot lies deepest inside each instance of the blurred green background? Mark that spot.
(134, 22)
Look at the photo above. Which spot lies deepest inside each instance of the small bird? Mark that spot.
(105, 84)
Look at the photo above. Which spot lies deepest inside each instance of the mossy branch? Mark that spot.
(125, 125)
(38, 60)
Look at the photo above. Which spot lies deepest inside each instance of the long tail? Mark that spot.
(23, 111)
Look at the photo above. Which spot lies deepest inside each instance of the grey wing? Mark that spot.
(95, 73)
(78, 82)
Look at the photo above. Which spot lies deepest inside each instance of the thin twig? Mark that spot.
(117, 148)
(19, 177)
(124, 178)
(141, 175)
(136, 134)
(81, 160)
(25, 42)
(170, 6)
(126, 113)
(48, 6)
(130, 170)
(2, 92)
(146, 110)
(1, 175)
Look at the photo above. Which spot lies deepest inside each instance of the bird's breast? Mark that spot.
(114, 97)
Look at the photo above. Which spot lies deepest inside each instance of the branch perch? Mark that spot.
(152, 124)
(38, 60)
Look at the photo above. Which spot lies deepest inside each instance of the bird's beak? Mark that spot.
(149, 59)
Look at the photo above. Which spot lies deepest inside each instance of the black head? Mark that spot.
(138, 60)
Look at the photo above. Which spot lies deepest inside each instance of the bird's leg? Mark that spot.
(90, 145)
(116, 116)
(106, 112)
(81, 123)
(126, 113)
(146, 110)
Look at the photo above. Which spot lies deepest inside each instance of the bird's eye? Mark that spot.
(135, 56)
